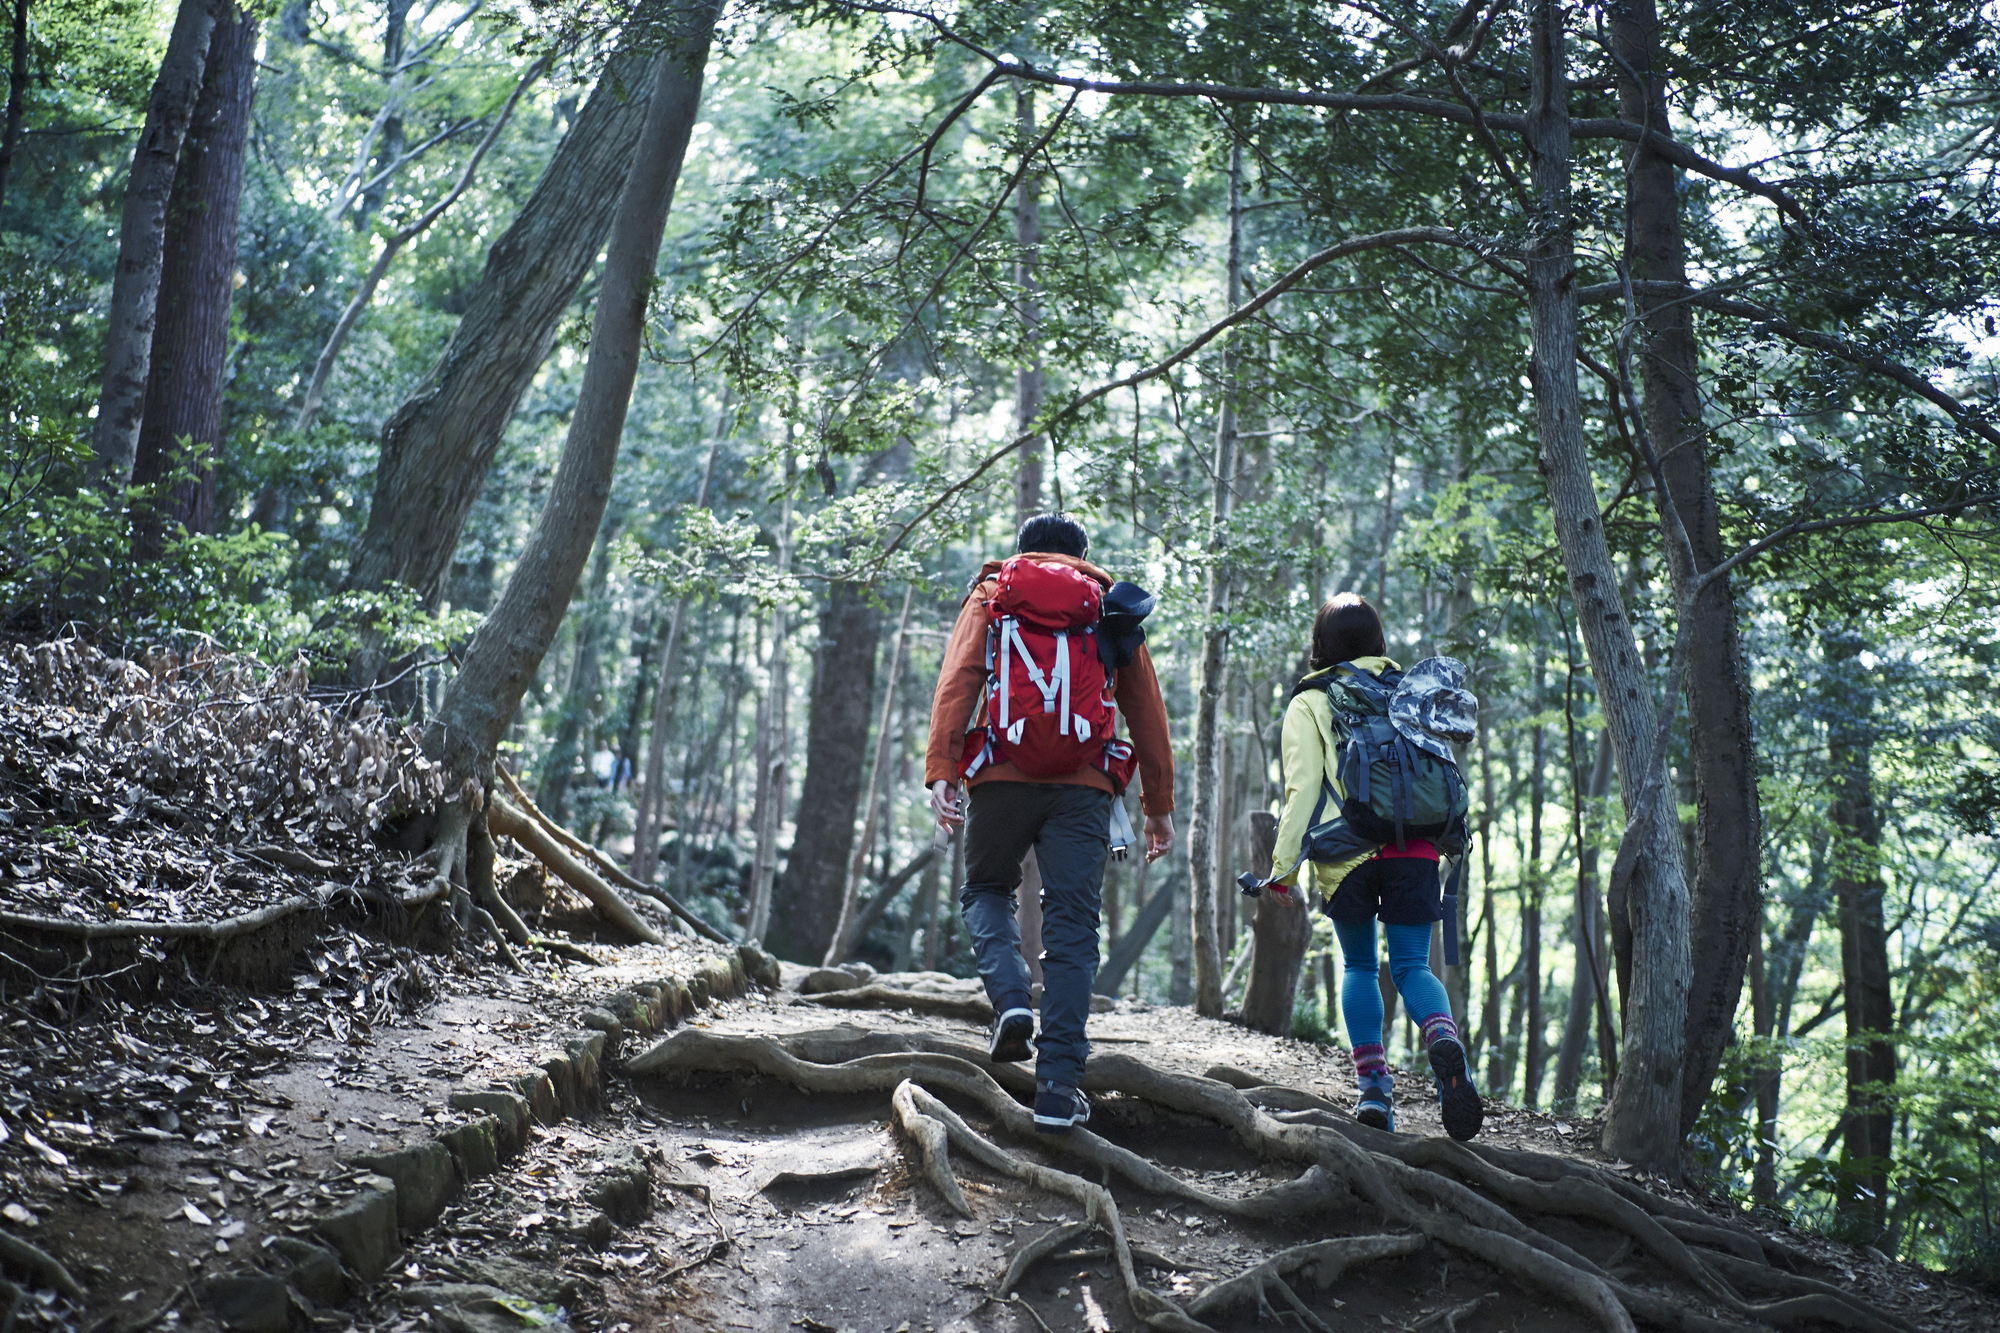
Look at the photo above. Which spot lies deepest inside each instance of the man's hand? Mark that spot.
(944, 808)
(1159, 836)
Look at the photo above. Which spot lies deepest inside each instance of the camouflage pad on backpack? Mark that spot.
(1432, 708)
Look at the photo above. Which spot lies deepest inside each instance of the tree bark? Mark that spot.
(647, 818)
(1782, 968)
(844, 930)
(395, 28)
(1764, 1074)
(579, 704)
(1643, 1123)
(1145, 924)
(1589, 966)
(142, 230)
(197, 280)
(1726, 889)
(437, 447)
(773, 750)
(843, 687)
(1028, 388)
(1490, 1015)
(1205, 850)
(507, 651)
(1867, 1142)
(1280, 932)
(1534, 1053)
(17, 95)
(392, 246)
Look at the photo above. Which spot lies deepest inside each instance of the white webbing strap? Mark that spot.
(1062, 680)
(1006, 631)
(1049, 687)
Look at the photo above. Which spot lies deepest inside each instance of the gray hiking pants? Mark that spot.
(1068, 828)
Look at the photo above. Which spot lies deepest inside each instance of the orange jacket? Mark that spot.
(961, 690)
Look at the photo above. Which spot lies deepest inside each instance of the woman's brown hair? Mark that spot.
(1347, 627)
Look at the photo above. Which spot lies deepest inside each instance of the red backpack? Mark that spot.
(1049, 708)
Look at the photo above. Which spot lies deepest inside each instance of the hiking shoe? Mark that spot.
(1059, 1108)
(1011, 1031)
(1376, 1109)
(1459, 1100)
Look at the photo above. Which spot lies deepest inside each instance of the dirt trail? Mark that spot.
(752, 1205)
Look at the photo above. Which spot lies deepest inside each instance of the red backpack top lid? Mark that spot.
(1045, 595)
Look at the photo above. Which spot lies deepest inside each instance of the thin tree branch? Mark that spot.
(930, 142)
(323, 368)
(1436, 108)
(1375, 241)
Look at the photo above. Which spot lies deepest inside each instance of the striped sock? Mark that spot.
(1437, 1026)
(1369, 1060)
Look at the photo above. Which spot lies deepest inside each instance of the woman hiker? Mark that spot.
(1400, 887)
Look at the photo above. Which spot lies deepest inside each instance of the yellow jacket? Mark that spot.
(1308, 751)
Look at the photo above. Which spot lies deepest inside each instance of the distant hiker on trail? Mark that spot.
(1047, 651)
(1372, 796)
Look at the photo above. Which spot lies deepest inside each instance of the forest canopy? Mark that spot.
(623, 394)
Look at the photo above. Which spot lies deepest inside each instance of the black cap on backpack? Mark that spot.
(1119, 631)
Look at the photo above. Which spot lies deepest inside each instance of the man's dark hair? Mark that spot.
(1347, 627)
(1054, 534)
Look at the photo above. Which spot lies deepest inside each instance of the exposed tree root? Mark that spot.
(42, 1264)
(1040, 1248)
(1100, 1209)
(1448, 1319)
(1480, 1202)
(159, 930)
(932, 1145)
(610, 870)
(973, 1008)
(533, 836)
(1327, 1258)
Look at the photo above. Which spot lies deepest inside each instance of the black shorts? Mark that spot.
(1400, 890)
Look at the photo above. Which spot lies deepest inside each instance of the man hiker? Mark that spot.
(1045, 654)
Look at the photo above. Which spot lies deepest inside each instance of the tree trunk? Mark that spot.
(510, 645)
(1145, 924)
(844, 930)
(1028, 914)
(1726, 887)
(395, 26)
(1781, 983)
(1205, 851)
(579, 705)
(437, 447)
(1490, 1016)
(1280, 932)
(142, 231)
(1534, 1054)
(1866, 1144)
(773, 740)
(17, 95)
(647, 818)
(1028, 389)
(393, 246)
(1583, 937)
(843, 687)
(197, 280)
(1643, 1123)
(1765, 1071)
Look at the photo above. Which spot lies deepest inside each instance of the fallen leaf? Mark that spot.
(50, 1155)
(196, 1215)
(18, 1215)
(231, 1230)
